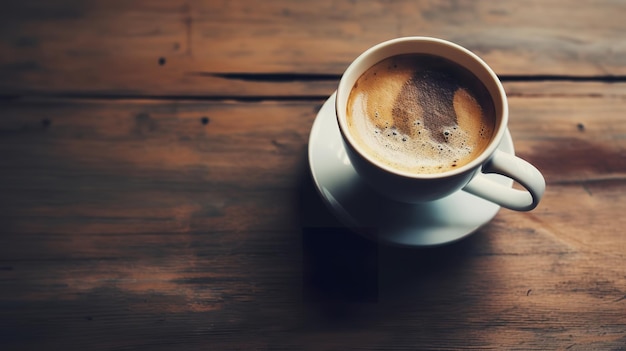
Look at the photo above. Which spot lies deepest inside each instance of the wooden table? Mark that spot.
(155, 193)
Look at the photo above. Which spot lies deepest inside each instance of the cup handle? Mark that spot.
(515, 168)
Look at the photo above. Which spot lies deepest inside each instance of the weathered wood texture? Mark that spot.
(142, 224)
(154, 189)
(115, 47)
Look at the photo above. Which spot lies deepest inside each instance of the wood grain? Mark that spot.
(155, 193)
(184, 48)
(190, 223)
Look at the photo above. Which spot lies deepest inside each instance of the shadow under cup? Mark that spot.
(403, 185)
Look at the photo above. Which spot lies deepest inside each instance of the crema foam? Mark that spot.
(420, 114)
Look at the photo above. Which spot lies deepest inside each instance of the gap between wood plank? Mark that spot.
(293, 77)
(108, 96)
(276, 78)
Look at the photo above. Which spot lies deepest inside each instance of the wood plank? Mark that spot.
(183, 48)
(227, 141)
(143, 220)
(242, 289)
(546, 288)
(93, 154)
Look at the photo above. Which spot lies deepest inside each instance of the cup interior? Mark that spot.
(435, 47)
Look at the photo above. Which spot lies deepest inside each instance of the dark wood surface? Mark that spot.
(154, 189)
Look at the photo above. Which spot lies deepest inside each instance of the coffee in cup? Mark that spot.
(420, 113)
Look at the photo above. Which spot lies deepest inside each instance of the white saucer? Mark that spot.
(359, 207)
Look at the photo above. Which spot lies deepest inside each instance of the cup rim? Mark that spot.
(501, 116)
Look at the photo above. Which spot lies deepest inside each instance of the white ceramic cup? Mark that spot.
(412, 187)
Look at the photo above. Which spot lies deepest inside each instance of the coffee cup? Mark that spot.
(422, 118)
